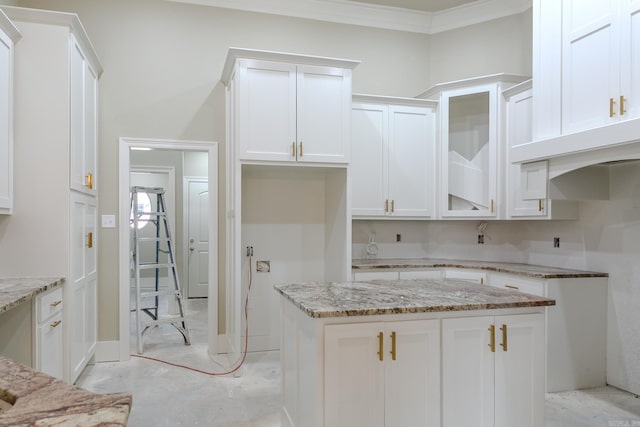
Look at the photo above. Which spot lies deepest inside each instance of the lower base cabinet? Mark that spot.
(493, 371)
(382, 374)
(49, 333)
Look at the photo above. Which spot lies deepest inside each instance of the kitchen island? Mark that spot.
(411, 353)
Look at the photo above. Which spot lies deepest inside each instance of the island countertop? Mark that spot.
(17, 290)
(338, 299)
(529, 270)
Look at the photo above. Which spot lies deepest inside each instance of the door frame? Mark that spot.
(186, 180)
(124, 146)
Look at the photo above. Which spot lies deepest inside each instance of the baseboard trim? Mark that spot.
(107, 351)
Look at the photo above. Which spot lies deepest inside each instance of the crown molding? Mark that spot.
(376, 16)
(7, 26)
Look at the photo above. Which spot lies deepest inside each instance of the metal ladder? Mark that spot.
(162, 237)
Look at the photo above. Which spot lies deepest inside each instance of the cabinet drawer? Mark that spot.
(375, 275)
(422, 274)
(49, 303)
(528, 286)
(474, 276)
(49, 351)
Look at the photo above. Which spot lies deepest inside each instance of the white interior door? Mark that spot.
(198, 235)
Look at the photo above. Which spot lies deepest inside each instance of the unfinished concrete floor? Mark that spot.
(164, 395)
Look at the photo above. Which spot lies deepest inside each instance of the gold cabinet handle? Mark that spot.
(89, 181)
(393, 206)
(504, 337)
(492, 343)
(90, 240)
(491, 205)
(381, 346)
(56, 323)
(511, 287)
(293, 149)
(300, 148)
(539, 205)
(386, 205)
(55, 303)
(393, 345)
(622, 110)
(611, 109)
(482, 280)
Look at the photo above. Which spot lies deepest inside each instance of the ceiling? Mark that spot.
(416, 16)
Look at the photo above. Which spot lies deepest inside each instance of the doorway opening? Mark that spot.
(194, 205)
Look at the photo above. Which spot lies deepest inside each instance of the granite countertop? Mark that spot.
(537, 271)
(338, 299)
(41, 400)
(17, 290)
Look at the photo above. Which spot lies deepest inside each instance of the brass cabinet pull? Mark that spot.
(56, 323)
(90, 240)
(55, 303)
(622, 110)
(293, 149)
(492, 344)
(300, 148)
(511, 287)
(386, 205)
(611, 109)
(491, 205)
(540, 205)
(504, 337)
(393, 345)
(381, 346)
(89, 181)
(393, 206)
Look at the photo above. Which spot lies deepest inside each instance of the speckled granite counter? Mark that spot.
(17, 290)
(41, 400)
(339, 299)
(537, 271)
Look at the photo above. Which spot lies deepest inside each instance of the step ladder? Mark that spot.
(163, 245)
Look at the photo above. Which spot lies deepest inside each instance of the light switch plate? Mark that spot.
(108, 221)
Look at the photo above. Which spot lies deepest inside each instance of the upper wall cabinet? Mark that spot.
(586, 82)
(8, 36)
(290, 108)
(393, 157)
(470, 145)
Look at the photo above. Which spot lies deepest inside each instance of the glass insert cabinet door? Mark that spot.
(469, 138)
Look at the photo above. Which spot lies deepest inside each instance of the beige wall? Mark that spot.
(163, 62)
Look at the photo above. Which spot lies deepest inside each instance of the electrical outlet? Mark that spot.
(556, 242)
(480, 239)
(398, 237)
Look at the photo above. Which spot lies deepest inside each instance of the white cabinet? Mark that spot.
(292, 112)
(492, 367)
(8, 36)
(393, 157)
(526, 185)
(54, 164)
(83, 121)
(382, 374)
(49, 333)
(82, 284)
(470, 145)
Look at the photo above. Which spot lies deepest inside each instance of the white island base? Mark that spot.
(438, 368)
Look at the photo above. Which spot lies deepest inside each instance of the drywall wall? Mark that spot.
(163, 62)
(606, 238)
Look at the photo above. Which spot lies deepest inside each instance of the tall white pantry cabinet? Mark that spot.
(53, 229)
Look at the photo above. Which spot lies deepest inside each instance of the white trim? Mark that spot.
(107, 351)
(376, 16)
(185, 224)
(123, 231)
(9, 28)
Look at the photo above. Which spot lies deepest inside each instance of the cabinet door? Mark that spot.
(6, 124)
(90, 129)
(266, 110)
(78, 179)
(412, 378)
(469, 132)
(323, 114)
(354, 375)
(49, 351)
(590, 64)
(369, 142)
(467, 373)
(411, 161)
(519, 367)
(630, 56)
